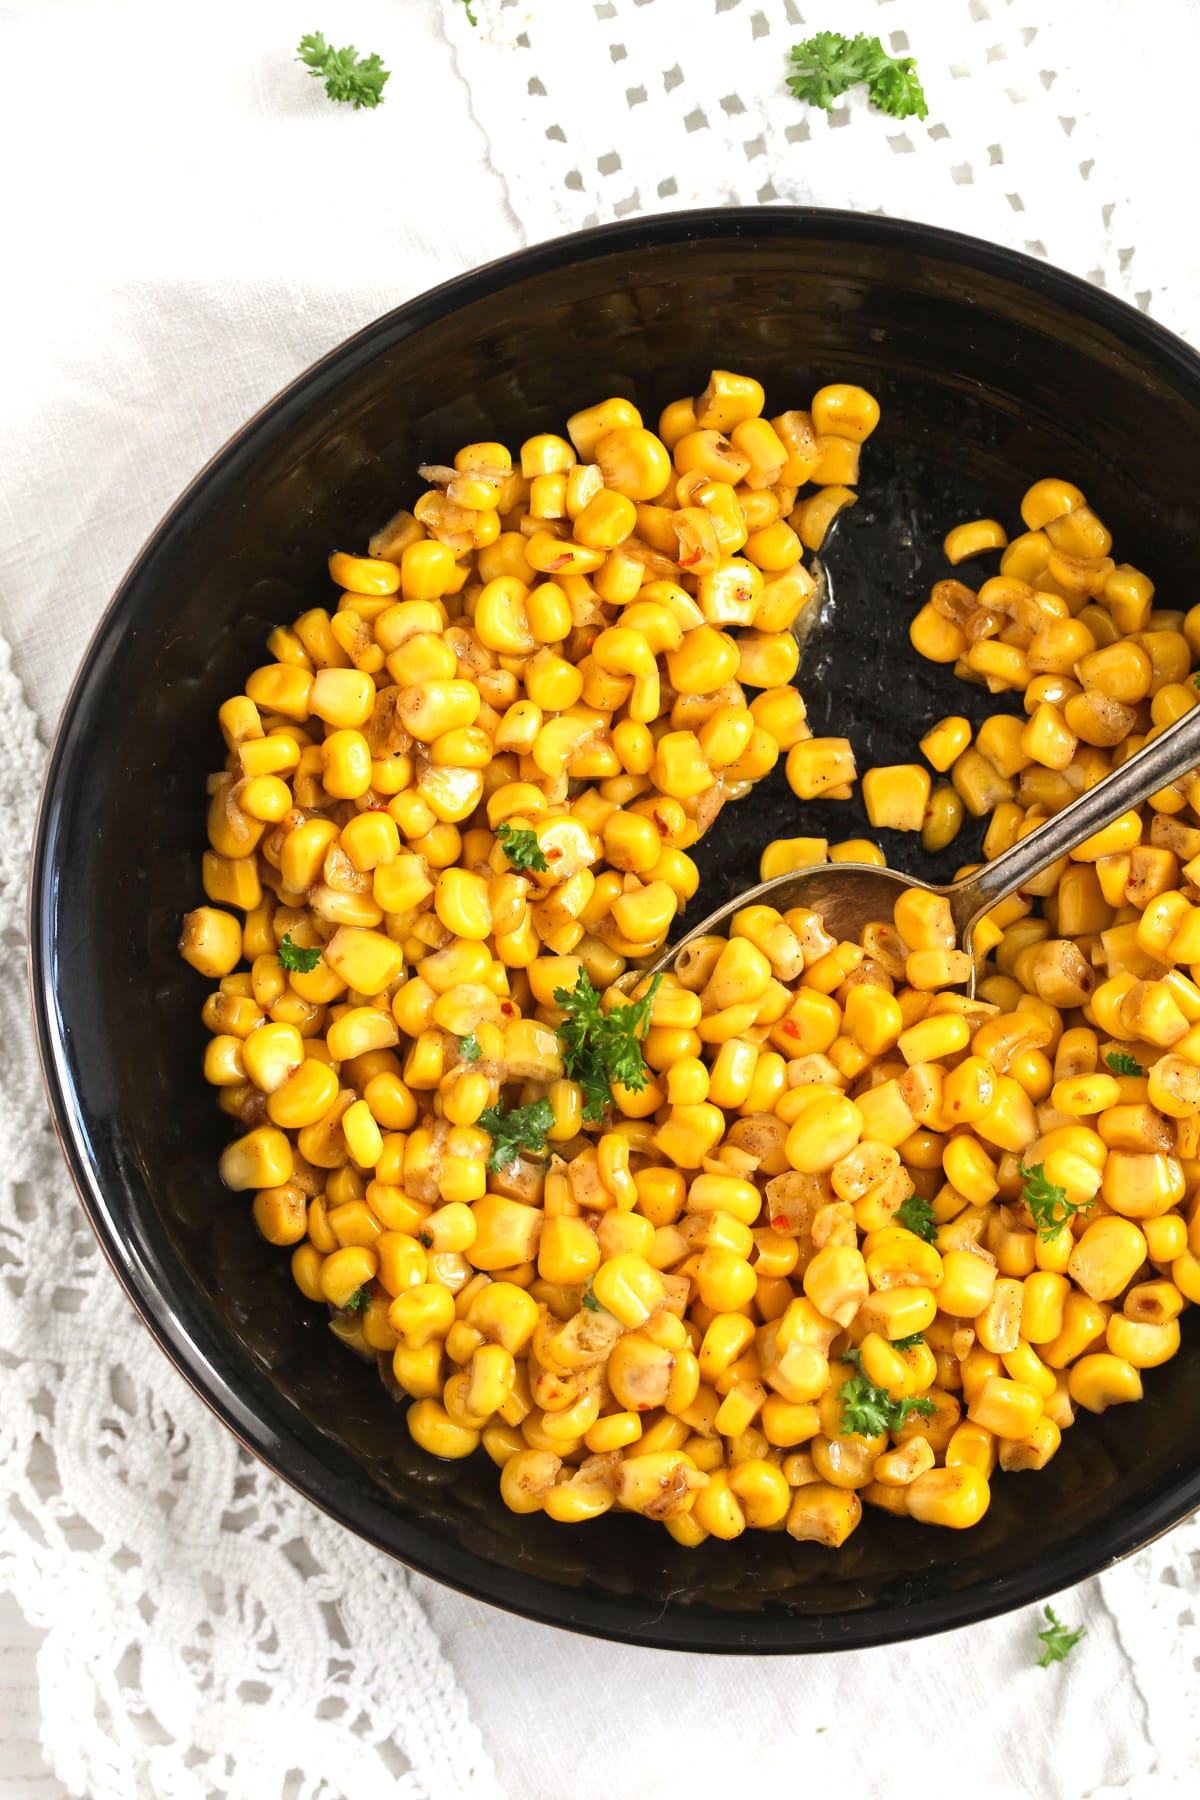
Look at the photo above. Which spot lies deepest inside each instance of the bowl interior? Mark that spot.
(990, 371)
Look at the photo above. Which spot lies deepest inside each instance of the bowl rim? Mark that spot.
(355, 1505)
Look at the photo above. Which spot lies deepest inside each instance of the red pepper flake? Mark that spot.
(790, 1028)
(662, 824)
(958, 1106)
(506, 1008)
(780, 1222)
(554, 853)
(689, 562)
(561, 562)
(741, 595)
(644, 1405)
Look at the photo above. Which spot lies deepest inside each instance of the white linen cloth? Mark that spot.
(189, 223)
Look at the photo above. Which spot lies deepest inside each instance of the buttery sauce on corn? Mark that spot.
(802, 1266)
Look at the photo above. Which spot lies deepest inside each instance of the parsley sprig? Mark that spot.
(600, 1048)
(468, 1048)
(1048, 1204)
(521, 1128)
(916, 1215)
(1058, 1640)
(358, 1301)
(298, 958)
(869, 1410)
(521, 848)
(471, 19)
(359, 81)
(910, 1342)
(1121, 1063)
(829, 63)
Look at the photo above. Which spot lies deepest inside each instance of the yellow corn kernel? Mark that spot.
(979, 783)
(836, 1282)
(507, 1232)
(1142, 1344)
(817, 765)
(345, 1271)
(957, 1496)
(1033, 1452)
(973, 1446)
(1165, 1237)
(843, 410)
(822, 1514)
(814, 516)
(974, 539)
(827, 1130)
(1107, 1257)
(1142, 1186)
(211, 941)
(1101, 1380)
(261, 1159)
(280, 1214)
(896, 796)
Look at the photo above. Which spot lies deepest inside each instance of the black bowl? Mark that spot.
(991, 370)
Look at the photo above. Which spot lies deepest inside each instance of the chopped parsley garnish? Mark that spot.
(471, 19)
(916, 1215)
(908, 1343)
(347, 76)
(297, 957)
(869, 1410)
(600, 1048)
(590, 1300)
(1058, 1640)
(828, 63)
(468, 1048)
(522, 1128)
(1121, 1063)
(358, 1302)
(426, 1238)
(1048, 1204)
(521, 848)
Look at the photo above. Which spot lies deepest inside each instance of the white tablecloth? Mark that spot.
(189, 223)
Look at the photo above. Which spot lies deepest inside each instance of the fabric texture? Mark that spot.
(194, 223)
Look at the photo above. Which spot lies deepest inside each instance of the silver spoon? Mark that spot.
(851, 895)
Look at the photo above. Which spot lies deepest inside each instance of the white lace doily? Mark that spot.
(599, 109)
(209, 1632)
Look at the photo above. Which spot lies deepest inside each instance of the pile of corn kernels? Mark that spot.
(850, 1235)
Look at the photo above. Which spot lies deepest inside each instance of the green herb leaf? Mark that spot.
(296, 957)
(471, 19)
(524, 1128)
(870, 1410)
(590, 1300)
(359, 81)
(1121, 1063)
(908, 1343)
(425, 1237)
(828, 63)
(521, 848)
(600, 1048)
(1058, 1640)
(358, 1302)
(916, 1215)
(1049, 1204)
(468, 1048)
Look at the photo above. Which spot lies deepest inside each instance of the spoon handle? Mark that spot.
(1175, 752)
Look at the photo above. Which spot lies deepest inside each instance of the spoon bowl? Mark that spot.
(848, 897)
(851, 895)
